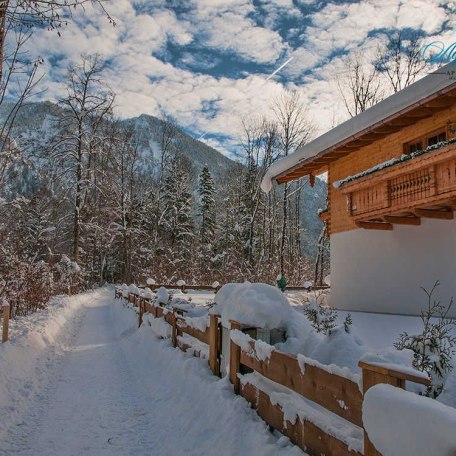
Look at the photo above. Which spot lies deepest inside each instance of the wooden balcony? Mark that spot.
(423, 186)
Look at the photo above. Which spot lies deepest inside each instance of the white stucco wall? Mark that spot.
(382, 271)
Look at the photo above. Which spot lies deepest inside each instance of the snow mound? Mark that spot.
(256, 304)
(180, 283)
(150, 281)
(390, 419)
(162, 295)
(133, 289)
(147, 293)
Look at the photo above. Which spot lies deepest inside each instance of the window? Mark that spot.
(439, 137)
(427, 140)
(413, 147)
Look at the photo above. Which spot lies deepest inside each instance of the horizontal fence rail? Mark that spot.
(338, 396)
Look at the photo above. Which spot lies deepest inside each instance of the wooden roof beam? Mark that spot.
(446, 214)
(403, 220)
(375, 226)
(439, 104)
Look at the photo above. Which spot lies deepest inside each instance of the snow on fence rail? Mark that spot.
(319, 407)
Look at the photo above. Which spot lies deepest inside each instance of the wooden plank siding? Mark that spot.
(407, 187)
(371, 155)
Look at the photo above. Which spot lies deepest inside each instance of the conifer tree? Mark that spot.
(207, 206)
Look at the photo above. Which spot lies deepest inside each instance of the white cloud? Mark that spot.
(144, 83)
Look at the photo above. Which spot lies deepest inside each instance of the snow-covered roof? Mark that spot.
(440, 80)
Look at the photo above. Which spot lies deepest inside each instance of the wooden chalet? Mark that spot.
(392, 195)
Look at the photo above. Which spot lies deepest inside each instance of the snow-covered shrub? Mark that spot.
(433, 349)
(323, 319)
(347, 323)
(68, 275)
(150, 281)
(25, 283)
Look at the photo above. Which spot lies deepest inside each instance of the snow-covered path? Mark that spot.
(117, 390)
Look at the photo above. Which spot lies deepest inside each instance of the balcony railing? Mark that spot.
(424, 186)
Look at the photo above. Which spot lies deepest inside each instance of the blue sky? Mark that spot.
(205, 62)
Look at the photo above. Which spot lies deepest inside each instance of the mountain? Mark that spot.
(37, 122)
(148, 131)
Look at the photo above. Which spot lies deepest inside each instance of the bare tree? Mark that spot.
(88, 103)
(293, 130)
(52, 14)
(360, 85)
(399, 59)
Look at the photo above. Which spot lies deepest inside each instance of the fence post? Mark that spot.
(373, 375)
(235, 360)
(141, 311)
(174, 333)
(6, 317)
(214, 342)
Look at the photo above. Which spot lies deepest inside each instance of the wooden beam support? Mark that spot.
(439, 104)
(402, 220)
(446, 214)
(375, 226)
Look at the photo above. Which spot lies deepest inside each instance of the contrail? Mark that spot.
(278, 69)
(267, 79)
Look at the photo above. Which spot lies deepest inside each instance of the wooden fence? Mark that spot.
(185, 288)
(314, 382)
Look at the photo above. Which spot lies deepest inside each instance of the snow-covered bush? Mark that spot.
(25, 283)
(180, 283)
(150, 281)
(433, 349)
(323, 319)
(68, 275)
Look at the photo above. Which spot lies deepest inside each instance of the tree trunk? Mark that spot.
(3, 8)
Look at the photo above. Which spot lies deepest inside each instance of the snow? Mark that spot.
(215, 284)
(133, 289)
(162, 295)
(330, 368)
(255, 304)
(399, 361)
(147, 293)
(200, 323)
(90, 382)
(180, 283)
(35, 343)
(403, 99)
(198, 348)
(400, 422)
(260, 350)
(150, 281)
